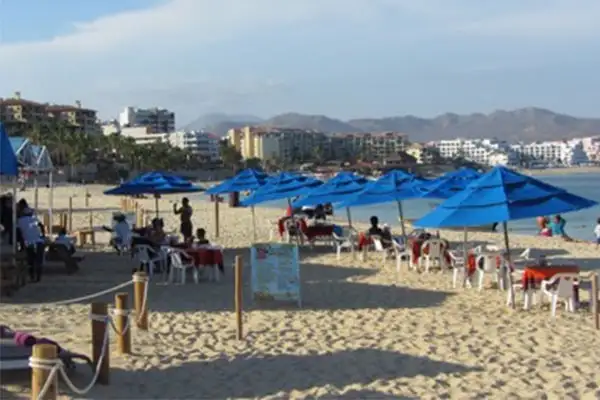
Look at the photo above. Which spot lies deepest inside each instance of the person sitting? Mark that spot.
(386, 236)
(122, 233)
(320, 213)
(201, 237)
(542, 223)
(63, 239)
(374, 229)
(328, 209)
(558, 227)
(156, 234)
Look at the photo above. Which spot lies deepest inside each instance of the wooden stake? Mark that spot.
(364, 253)
(70, 215)
(216, 216)
(238, 297)
(39, 376)
(98, 332)
(594, 300)
(139, 290)
(124, 339)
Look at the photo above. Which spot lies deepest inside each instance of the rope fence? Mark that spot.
(45, 361)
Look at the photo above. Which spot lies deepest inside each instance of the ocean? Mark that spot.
(580, 224)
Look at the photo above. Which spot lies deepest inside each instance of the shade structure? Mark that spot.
(502, 195)
(156, 183)
(283, 186)
(8, 160)
(247, 179)
(448, 184)
(396, 185)
(334, 190)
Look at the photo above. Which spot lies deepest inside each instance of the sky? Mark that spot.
(341, 58)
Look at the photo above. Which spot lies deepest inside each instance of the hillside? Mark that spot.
(525, 124)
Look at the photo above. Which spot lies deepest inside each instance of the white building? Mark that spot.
(157, 119)
(482, 151)
(591, 146)
(143, 135)
(566, 153)
(203, 144)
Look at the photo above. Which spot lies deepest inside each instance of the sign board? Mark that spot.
(275, 272)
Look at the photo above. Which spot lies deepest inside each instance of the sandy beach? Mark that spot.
(361, 333)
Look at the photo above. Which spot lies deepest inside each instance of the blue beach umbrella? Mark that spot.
(283, 186)
(449, 184)
(247, 179)
(155, 183)
(8, 160)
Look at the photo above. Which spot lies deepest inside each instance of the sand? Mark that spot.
(361, 333)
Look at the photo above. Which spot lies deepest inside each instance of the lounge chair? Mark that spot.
(16, 357)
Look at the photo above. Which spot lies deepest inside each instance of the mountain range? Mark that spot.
(524, 124)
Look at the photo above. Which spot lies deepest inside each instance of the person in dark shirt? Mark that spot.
(320, 213)
(201, 237)
(185, 212)
(375, 229)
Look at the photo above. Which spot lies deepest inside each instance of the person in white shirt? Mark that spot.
(597, 232)
(122, 233)
(63, 239)
(29, 227)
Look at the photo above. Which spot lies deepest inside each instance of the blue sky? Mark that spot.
(342, 58)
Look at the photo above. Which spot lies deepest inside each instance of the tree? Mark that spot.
(254, 163)
(230, 156)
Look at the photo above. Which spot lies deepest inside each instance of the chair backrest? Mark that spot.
(142, 252)
(377, 243)
(488, 261)
(564, 283)
(435, 247)
(176, 259)
(456, 258)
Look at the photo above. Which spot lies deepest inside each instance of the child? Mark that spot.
(597, 232)
(65, 240)
(201, 237)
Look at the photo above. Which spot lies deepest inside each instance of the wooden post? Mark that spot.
(364, 253)
(121, 319)
(39, 375)
(140, 280)
(594, 300)
(238, 297)
(87, 198)
(217, 216)
(98, 331)
(70, 215)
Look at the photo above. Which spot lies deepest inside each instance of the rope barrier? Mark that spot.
(127, 324)
(55, 366)
(78, 299)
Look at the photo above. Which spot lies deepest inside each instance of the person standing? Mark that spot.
(31, 234)
(597, 232)
(185, 213)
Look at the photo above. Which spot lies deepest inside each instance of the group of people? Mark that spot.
(553, 227)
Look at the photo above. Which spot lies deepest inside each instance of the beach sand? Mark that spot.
(362, 332)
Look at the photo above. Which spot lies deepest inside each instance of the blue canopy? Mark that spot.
(334, 190)
(247, 179)
(502, 195)
(282, 186)
(155, 183)
(394, 186)
(449, 184)
(8, 160)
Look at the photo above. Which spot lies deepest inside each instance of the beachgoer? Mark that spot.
(122, 232)
(320, 213)
(201, 237)
(33, 242)
(494, 226)
(6, 217)
(542, 223)
(185, 212)
(558, 227)
(63, 239)
(597, 232)
(375, 229)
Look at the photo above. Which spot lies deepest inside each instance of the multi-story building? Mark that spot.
(20, 116)
(157, 119)
(143, 135)
(423, 154)
(591, 146)
(205, 145)
(567, 153)
(482, 151)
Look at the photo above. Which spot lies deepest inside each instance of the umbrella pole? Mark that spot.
(508, 260)
(298, 233)
(349, 217)
(253, 221)
(50, 198)
(465, 244)
(401, 215)
(217, 215)
(35, 190)
(14, 215)
(156, 205)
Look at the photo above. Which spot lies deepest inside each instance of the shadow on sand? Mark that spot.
(258, 376)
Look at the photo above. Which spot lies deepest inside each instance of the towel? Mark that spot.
(24, 339)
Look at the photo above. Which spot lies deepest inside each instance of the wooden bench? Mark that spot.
(83, 235)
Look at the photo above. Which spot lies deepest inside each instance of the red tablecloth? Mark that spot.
(472, 262)
(363, 240)
(206, 257)
(416, 246)
(314, 231)
(533, 275)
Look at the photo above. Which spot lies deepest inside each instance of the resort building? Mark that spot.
(157, 119)
(567, 153)
(205, 145)
(482, 151)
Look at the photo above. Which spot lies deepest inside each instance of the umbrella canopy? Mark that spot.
(282, 186)
(155, 183)
(396, 185)
(449, 184)
(247, 179)
(502, 195)
(334, 190)
(8, 160)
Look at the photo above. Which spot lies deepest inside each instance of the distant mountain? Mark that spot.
(219, 122)
(525, 124)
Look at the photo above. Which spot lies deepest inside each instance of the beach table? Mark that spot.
(207, 257)
(318, 231)
(533, 275)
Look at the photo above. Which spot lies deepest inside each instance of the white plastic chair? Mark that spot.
(459, 269)
(379, 248)
(435, 254)
(487, 263)
(342, 243)
(560, 287)
(181, 261)
(402, 254)
(149, 258)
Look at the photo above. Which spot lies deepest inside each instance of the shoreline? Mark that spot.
(560, 171)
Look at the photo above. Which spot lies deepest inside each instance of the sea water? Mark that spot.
(580, 224)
